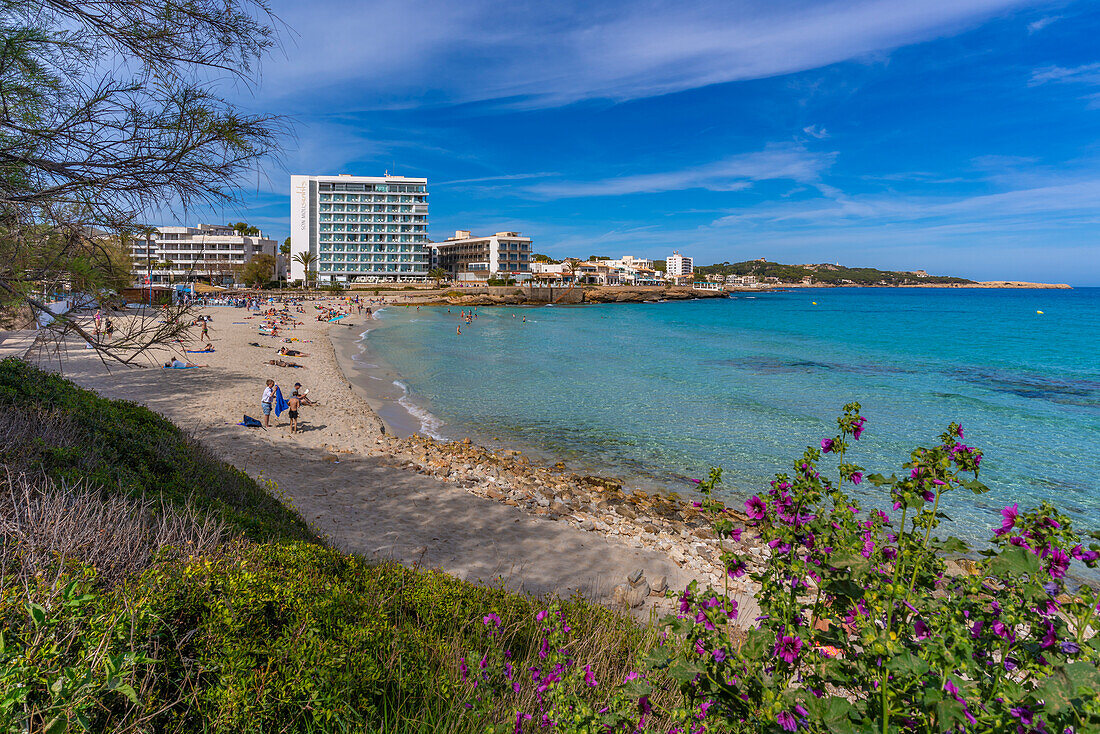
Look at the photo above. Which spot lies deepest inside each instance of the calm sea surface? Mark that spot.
(657, 393)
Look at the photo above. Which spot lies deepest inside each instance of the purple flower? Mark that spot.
(1023, 714)
(1009, 514)
(1059, 563)
(719, 655)
(920, 629)
(685, 601)
(857, 477)
(857, 431)
(1069, 647)
(541, 616)
(644, 705)
(463, 668)
(1050, 637)
(589, 678)
(756, 507)
(520, 718)
(788, 647)
(736, 570)
(786, 721)
(492, 619)
(929, 495)
(826, 445)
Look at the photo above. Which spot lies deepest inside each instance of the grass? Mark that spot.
(265, 630)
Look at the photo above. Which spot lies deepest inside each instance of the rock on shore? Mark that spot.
(597, 504)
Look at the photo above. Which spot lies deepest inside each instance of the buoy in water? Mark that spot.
(814, 302)
(1039, 312)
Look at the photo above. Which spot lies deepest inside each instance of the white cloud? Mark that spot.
(735, 173)
(541, 54)
(818, 132)
(1038, 25)
(1085, 74)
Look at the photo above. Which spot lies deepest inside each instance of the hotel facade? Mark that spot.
(360, 228)
(468, 259)
(213, 251)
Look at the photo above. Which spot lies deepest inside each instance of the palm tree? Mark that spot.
(573, 262)
(306, 259)
(437, 274)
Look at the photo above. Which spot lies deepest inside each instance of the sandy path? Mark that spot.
(333, 472)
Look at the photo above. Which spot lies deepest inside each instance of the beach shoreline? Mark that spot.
(479, 514)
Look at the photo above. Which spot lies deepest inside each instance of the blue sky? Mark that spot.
(958, 136)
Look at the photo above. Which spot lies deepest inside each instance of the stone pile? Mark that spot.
(664, 523)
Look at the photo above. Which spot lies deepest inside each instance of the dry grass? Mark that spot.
(44, 523)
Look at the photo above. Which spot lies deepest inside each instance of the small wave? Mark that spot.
(429, 424)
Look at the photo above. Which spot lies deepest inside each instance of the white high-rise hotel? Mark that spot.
(370, 228)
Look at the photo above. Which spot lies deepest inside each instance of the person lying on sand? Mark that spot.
(179, 364)
(292, 352)
(281, 363)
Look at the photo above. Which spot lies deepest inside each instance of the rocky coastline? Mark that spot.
(665, 523)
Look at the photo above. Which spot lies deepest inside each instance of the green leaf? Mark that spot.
(833, 712)
(37, 612)
(951, 545)
(1014, 561)
(878, 480)
(58, 725)
(683, 671)
(907, 663)
(126, 690)
(974, 486)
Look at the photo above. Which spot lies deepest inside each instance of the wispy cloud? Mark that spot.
(1085, 74)
(815, 131)
(537, 54)
(1038, 25)
(489, 179)
(734, 173)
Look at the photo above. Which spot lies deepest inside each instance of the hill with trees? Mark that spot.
(825, 273)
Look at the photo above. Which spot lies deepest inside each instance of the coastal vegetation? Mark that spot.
(826, 273)
(147, 586)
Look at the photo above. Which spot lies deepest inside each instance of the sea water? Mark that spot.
(657, 393)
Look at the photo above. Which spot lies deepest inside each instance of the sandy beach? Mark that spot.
(372, 493)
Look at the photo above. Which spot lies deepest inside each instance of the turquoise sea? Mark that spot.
(659, 392)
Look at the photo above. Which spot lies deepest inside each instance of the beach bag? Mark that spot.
(250, 422)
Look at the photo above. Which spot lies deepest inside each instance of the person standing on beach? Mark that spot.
(292, 406)
(266, 401)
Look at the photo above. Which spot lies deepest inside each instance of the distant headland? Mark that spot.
(766, 273)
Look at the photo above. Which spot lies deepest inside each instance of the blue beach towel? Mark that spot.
(173, 367)
(280, 404)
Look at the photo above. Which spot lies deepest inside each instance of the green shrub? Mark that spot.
(73, 434)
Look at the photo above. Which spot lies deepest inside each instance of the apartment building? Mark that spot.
(470, 259)
(676, 265)
(360, 228)
(208, 251)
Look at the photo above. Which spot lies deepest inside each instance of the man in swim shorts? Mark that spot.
(292, 406)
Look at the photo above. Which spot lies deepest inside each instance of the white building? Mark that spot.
(214, 251)
(366, 228)
(470, 259)
(629, 262)
(677, 265)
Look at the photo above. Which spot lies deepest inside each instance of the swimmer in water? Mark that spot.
(458, 330)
